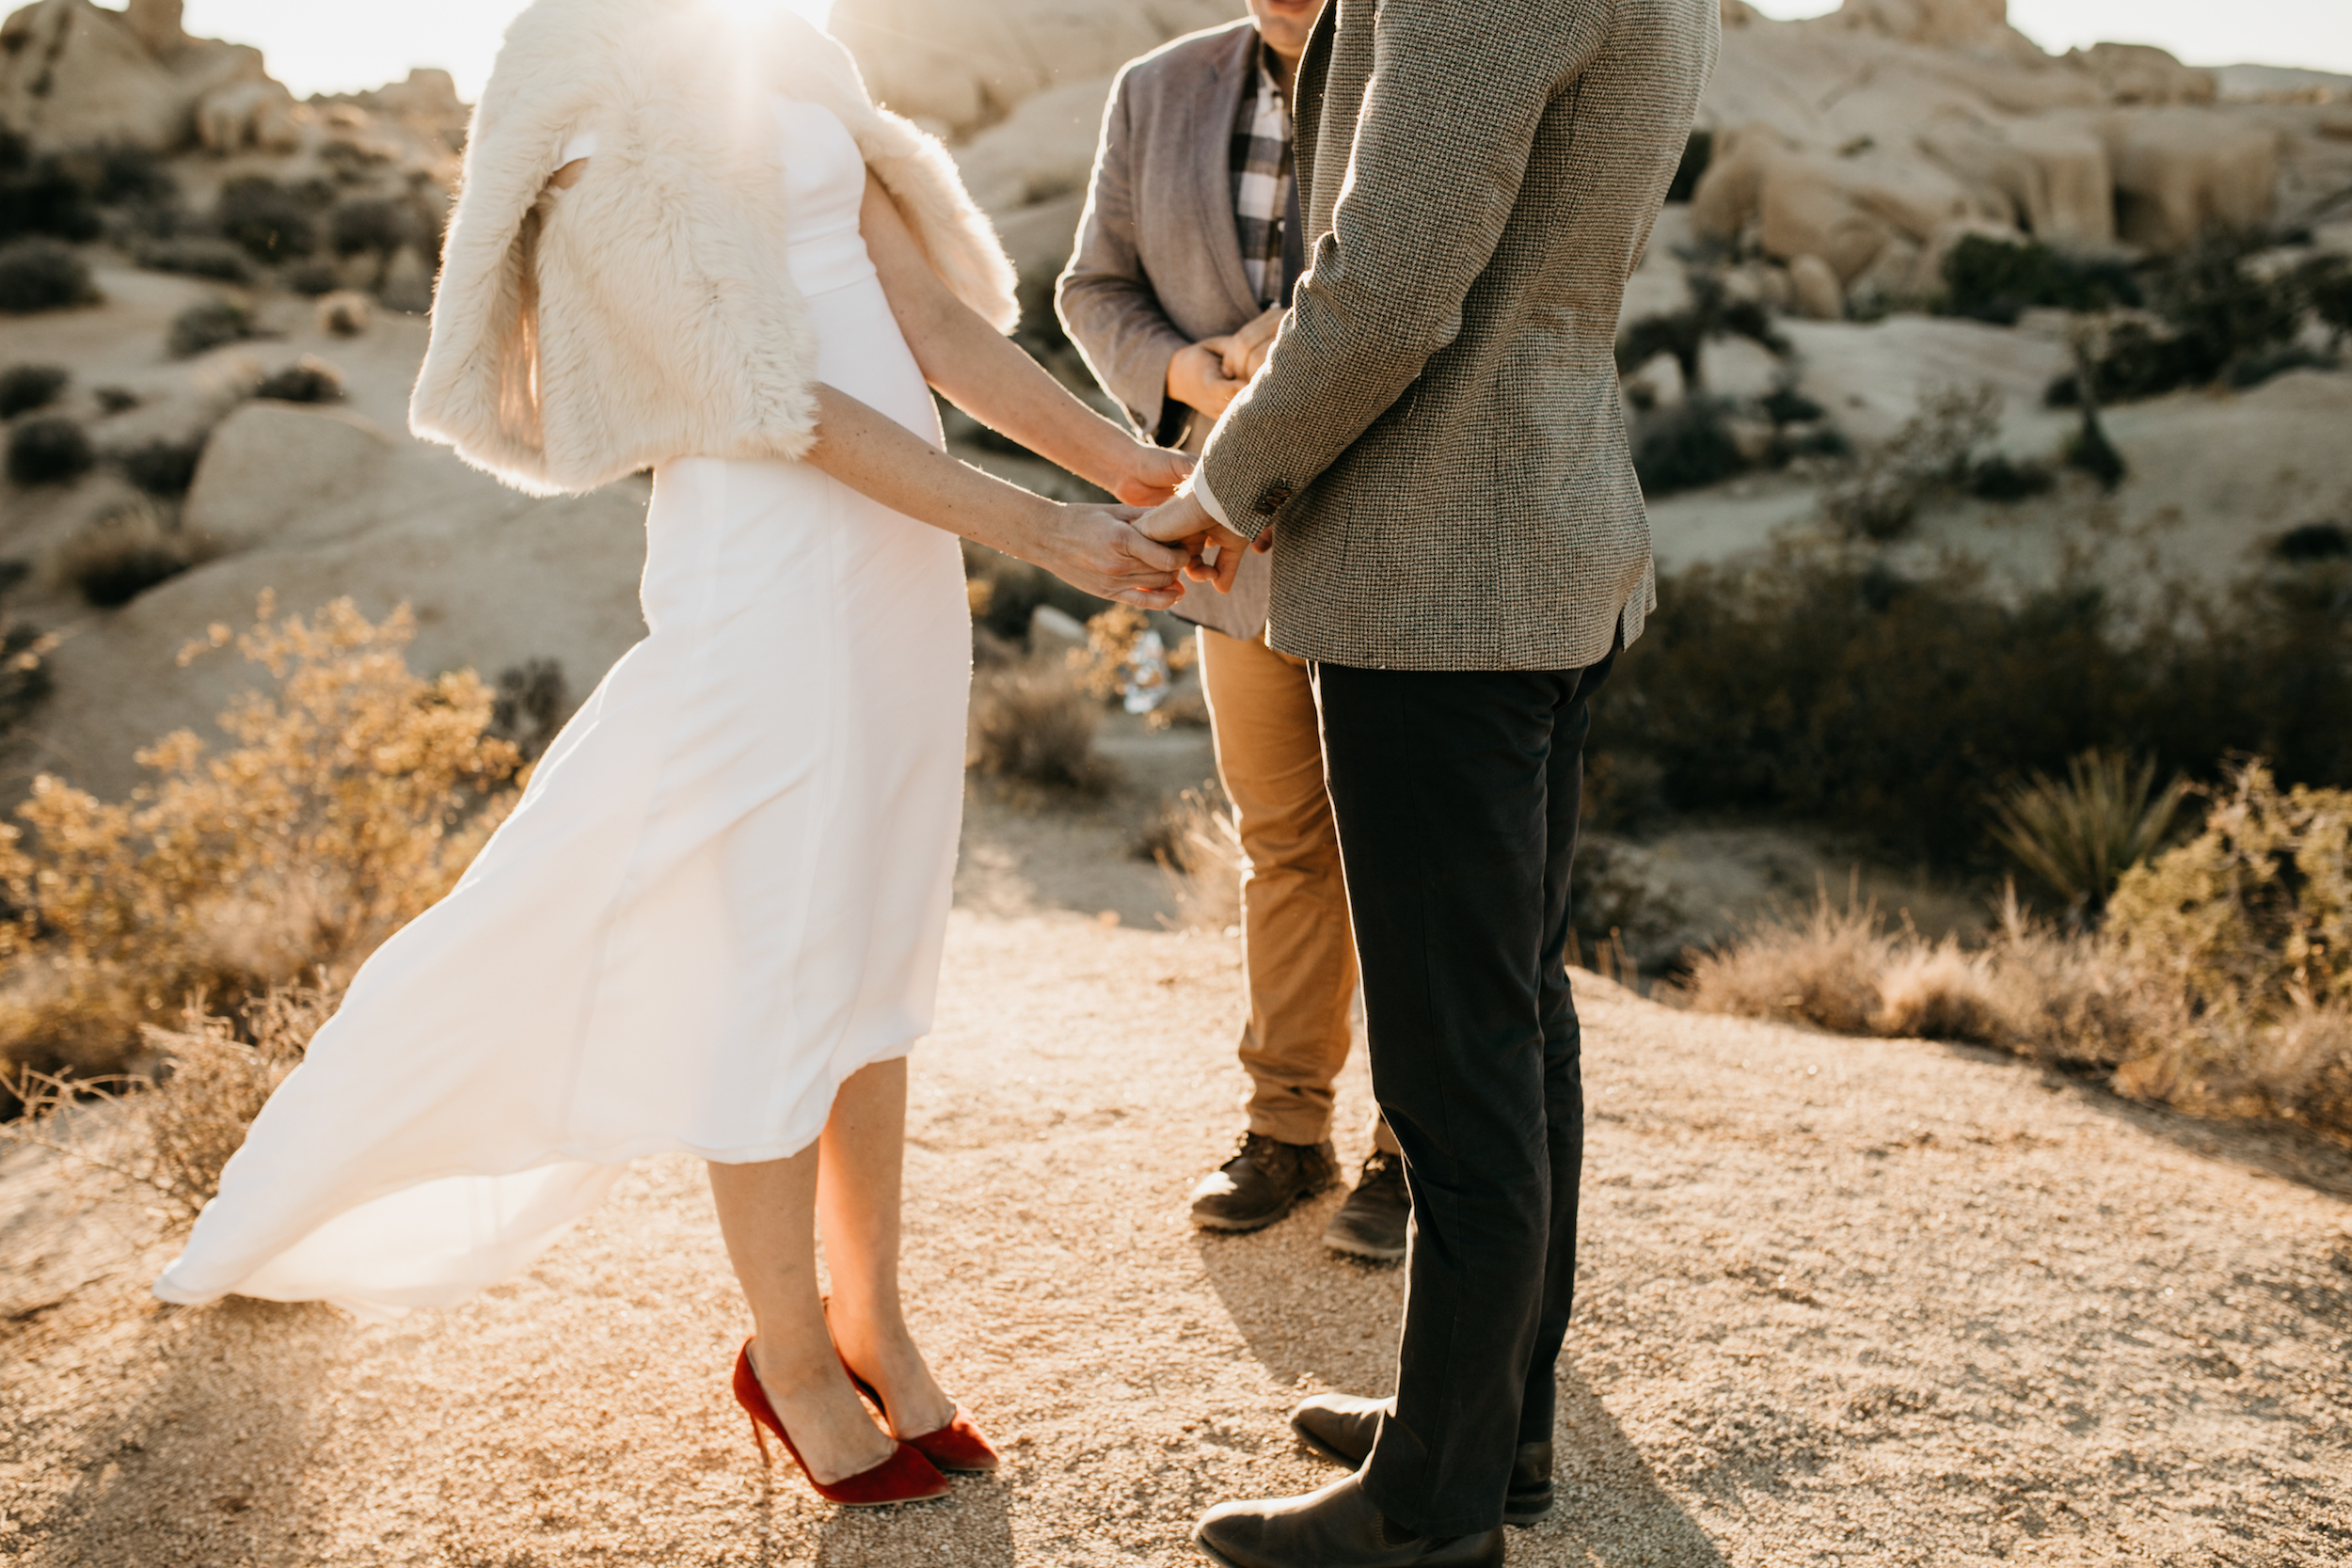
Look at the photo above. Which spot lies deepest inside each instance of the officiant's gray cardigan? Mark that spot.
(1436, 435)
(1158, 265)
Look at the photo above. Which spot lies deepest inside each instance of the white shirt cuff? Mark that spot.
(1207, 497)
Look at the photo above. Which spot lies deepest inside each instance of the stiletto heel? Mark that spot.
(905, 1476)
(957, 1446)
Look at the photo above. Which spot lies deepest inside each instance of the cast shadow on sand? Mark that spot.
(208, 1455)
(972, 1528)
(1305, 1313)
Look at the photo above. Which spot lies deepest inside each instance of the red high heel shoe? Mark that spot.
(957, 1446)
(905, 1476)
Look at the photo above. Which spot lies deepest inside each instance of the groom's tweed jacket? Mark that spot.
(1436, 434)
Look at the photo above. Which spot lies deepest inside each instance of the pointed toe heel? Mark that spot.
(905, 1476)
(958, 1446)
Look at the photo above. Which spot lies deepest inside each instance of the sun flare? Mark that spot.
(816, 12)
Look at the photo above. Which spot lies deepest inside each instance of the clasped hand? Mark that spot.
(1098, 547)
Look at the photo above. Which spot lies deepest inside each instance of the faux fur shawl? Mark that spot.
(647, 312)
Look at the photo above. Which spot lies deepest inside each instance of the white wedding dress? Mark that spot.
(724, 892)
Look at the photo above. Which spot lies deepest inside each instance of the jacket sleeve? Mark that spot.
(1438, 153)
(1105, 300)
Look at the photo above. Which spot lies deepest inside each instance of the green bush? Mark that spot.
(1686, 448)
(309, 380)
(2003, 479)
(2220, 320)
(2313, 542)
(1713, 312)
(1837, 692)
(377, 225)
(1696, 155)
(2326, 285)
(163, 469)
(25, 388)
(42, 275)
(216, 260)
(1931, 456)
(1997, 280)
(38, 195)
(125, 553)
(208, 325)
(49, 452)
(312, 278)
(271, 222)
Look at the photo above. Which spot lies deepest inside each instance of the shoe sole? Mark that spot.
(1352, 1248)
(1522, 1515)
(1212, 1553)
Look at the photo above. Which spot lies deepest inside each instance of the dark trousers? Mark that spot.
(1457, 796)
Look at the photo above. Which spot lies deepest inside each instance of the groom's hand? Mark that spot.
(1150, 475)
(1186, 523)
(1099, 549)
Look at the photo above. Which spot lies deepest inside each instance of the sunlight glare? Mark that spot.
(816, 12)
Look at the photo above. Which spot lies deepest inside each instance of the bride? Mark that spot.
(689, 242)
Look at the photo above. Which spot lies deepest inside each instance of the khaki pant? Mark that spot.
(1298, 945)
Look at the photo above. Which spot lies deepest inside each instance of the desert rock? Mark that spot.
(2179, 171)
(1819, 295)
(270, 464)
(958, 65)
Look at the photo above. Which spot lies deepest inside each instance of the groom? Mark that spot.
(1434, 454)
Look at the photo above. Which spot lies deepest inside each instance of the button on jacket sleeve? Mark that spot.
(1428, 189)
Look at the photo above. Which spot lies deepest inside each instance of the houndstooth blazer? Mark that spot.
(1436, 437)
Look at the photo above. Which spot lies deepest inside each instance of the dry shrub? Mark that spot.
(345, 313)
(1034, 723)
(1938, 993)
(351, 798)
(169, 1130)
(1820, 968)
(2222, 983)
(2303, 1064)
(2254, 911)
(128, 551)
(1195, 842)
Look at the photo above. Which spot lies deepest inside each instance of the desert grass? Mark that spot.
(124, 552)
(2222, 982)
(1034, 723)
(166, 1132)
(1195, 842)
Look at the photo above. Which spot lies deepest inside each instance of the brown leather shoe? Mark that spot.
(1260, 1184)
(1336, 1528)
(1370, 1223)
(1341, 1427)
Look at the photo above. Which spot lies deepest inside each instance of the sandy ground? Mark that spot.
(1840, 1300)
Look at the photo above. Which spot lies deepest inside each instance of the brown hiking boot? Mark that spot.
(1261, 1182)
(1370, 1223)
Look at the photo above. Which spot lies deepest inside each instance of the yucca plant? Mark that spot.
(2078, 837)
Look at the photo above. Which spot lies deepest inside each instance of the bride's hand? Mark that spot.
(1097, 550)
(1150, 475)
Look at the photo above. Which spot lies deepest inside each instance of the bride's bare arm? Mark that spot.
(1091, 548)
(984, 374)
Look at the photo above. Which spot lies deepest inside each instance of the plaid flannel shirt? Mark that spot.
(1263, 173)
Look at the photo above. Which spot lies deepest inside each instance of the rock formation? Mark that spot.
(1872, 137)
(957, 66)
(75, 74)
